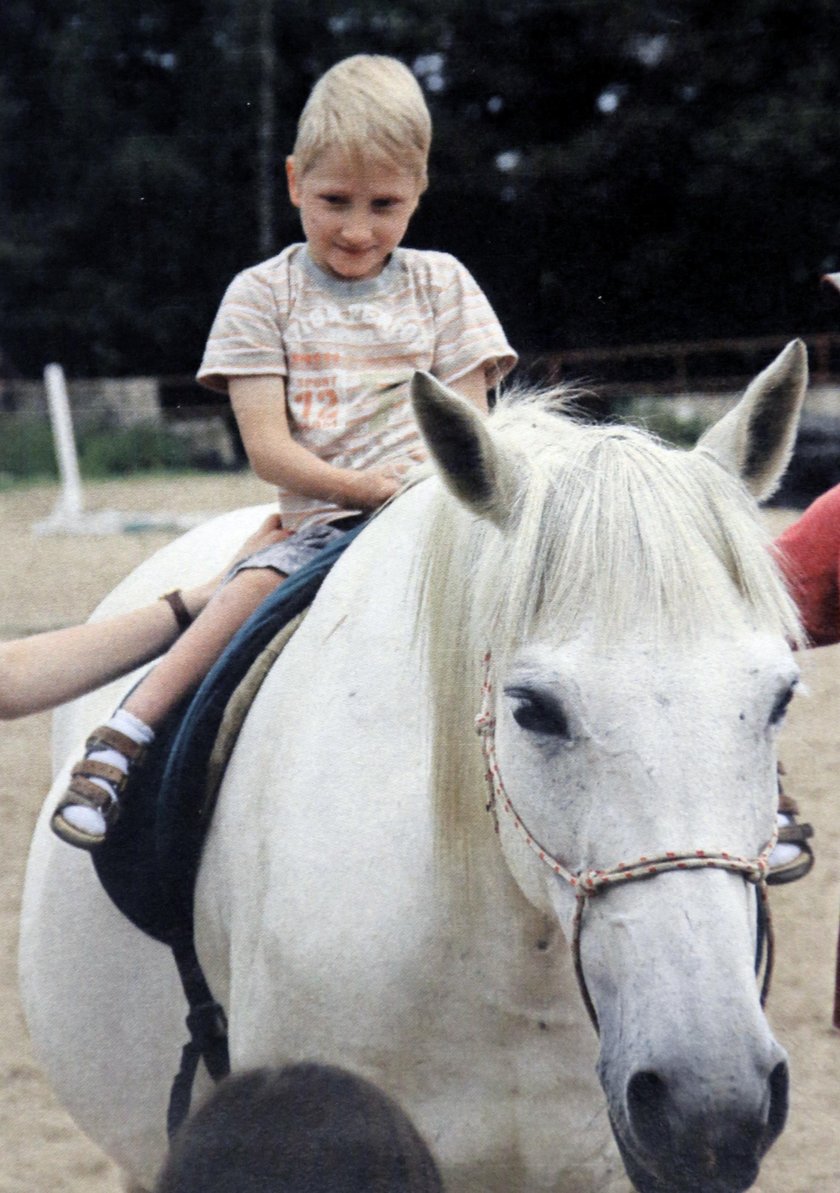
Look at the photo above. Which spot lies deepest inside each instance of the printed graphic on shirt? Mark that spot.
(358, 385)
(347, 351)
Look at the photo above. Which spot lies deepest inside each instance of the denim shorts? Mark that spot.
(297, 550)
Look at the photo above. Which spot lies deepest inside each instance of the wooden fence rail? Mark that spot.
(660, 370)
(708, 366)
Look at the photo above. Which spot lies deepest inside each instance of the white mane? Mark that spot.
(608, 527)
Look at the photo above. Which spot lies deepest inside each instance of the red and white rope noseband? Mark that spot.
(587, 883)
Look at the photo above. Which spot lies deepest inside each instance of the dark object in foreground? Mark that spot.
(306, 1128)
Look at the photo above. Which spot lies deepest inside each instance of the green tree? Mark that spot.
(610, 172)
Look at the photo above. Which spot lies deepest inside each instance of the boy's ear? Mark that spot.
(291, 178)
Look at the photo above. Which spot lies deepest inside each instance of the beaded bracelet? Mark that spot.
(176, 603)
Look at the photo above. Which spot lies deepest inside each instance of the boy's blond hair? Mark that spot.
(367, 106)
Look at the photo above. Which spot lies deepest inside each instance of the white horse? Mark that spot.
(355, 904)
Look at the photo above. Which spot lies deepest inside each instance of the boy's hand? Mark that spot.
(378, 485)
(373, 487)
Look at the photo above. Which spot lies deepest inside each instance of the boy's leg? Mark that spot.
(90, 803)
(180, 671)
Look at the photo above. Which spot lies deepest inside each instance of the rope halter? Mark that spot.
(588, 883)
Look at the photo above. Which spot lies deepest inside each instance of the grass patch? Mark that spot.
(27, 452)
(125, 451)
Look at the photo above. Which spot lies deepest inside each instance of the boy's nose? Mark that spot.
(356, 229)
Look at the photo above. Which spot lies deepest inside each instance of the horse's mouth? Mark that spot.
(703, 1171)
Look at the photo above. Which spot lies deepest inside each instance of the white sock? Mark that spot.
(785, 851)
(87, 820)
(133, 728)
(126, 722)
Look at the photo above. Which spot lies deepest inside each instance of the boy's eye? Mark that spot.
(334, 200)
(384, 204)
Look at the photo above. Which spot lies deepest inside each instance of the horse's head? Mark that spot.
(639, 670)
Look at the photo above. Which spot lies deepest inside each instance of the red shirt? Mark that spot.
(809, 555)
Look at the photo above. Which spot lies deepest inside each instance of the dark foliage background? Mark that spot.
(610, 171)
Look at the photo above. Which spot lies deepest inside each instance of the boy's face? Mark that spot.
(353, 214)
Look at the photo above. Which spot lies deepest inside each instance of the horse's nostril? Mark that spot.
(777, 1113)
(647, 1098)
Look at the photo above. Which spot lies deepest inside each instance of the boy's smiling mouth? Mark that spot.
(354, 250)
(351, 261)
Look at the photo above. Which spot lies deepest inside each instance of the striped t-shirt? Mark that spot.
(347, 350)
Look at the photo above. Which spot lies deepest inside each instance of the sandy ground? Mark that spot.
(51, 582)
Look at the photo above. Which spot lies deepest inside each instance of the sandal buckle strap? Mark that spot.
(112, 739)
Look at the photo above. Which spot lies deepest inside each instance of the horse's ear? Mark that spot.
(468, 457)
(755, 440)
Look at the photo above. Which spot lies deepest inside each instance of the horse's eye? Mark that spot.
(538, 712)
(781, 706)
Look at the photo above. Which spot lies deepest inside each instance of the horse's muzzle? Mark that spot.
(667, 1147)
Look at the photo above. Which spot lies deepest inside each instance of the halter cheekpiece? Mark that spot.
(587, 883)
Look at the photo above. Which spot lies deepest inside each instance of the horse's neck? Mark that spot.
(373, 597)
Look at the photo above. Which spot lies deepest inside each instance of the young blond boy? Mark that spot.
(315, 348)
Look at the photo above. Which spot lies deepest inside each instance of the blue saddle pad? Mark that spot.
(149, 860)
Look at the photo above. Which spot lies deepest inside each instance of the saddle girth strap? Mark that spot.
(206, 1021)
(207, 1025)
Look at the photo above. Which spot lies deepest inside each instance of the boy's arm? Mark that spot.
(473, 387)
(259, 404)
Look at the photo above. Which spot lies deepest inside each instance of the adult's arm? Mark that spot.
(48, 669)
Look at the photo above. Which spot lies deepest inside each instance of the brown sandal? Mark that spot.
(792, 833)
(82, 792)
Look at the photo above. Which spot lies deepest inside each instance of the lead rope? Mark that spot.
(588, 883)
